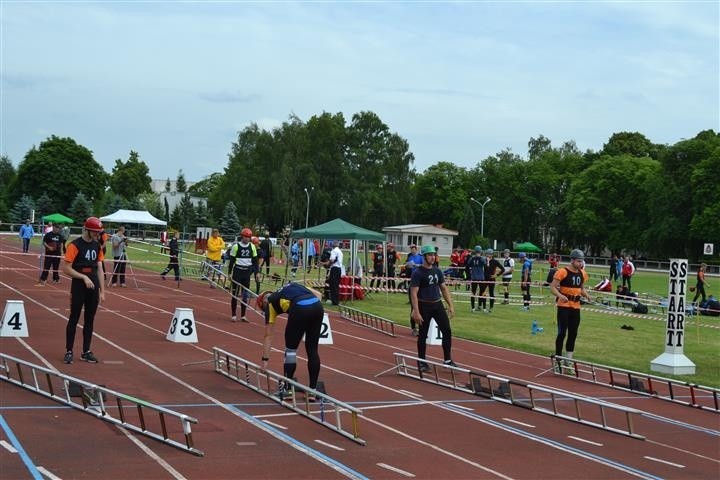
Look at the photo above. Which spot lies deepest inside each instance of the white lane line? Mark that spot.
(330, 445)
(462, 407)
(412, 394)
(585, 441)
(8, 447)
(245, 444)
(394, 469)
(518, 422)
(665, 462)
(113, 362)
(276, 425)
(146, 450)
(686, 452)
(48, 473)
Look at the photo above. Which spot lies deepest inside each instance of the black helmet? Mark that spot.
(577, 254)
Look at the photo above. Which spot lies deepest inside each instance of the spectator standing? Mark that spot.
(173, 263)
(701, 284)
(52, 241)
(553, 261)
(119, 241)
(525, 279)
(392, 259)
(213, 254)
(628, 270)
(378, 260)
(295, 253)
(413, 261)
(508, 269)
(267, 253)
(492, 268)
(476, 264)
(427, 290)
(614, 274)
(243, 259)
(305, 312)
(82, 261)
(311, 254)
(568, 286)
(337, 270)
(26, 233)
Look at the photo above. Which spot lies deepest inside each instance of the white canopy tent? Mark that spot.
(142, 217)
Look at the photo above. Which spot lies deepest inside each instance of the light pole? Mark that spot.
(307, 217)
(482, 214)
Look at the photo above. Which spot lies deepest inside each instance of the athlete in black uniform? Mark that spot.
(52, 241)
(427, 289)
(305, 315)
(243, 261)
(83, 259)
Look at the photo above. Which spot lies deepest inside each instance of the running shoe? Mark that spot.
(424, 368)
(68, 358)
(89, 357)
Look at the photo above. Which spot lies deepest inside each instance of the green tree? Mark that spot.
(150, 201)
(201, 214)
(168, 185)
(130, 179)
(441, 194)
(22, 210)
(180, 184)
(44, 206)
(629, 143)
(81, 208)
(7, 179)
(205, 187)
(61, 168)
(229, 223)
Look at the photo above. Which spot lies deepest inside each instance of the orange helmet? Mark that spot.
(246, 232)
(261, 299)
(255, 240)
(93, 224)
(300, 242)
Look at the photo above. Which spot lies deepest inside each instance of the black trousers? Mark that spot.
(436, 310)
(240, 285)
(174, 266)
(568, 321)
(89, 298)
(334, 283)
(305, 320)
(51, 261)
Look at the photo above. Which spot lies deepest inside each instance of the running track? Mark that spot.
(413, 429)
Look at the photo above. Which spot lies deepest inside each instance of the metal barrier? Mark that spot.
(330, 411)
(576, 408)
(50, 384)
(369, 320)
(677, 391)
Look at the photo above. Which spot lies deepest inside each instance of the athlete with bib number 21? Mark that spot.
(305, 315)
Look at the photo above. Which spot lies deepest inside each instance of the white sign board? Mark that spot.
(708, 248)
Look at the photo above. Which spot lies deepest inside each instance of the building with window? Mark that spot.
(405, 235)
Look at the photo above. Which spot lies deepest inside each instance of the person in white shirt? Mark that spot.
(509, 267)
(337, 270)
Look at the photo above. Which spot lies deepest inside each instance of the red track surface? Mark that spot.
(412, 428)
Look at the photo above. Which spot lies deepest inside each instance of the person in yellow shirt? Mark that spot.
(213, 255)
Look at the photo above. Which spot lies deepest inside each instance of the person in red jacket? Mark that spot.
(628, 270)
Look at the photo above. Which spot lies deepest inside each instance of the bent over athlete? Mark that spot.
(305, 315)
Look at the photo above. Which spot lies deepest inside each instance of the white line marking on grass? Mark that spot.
(8, 447)
(665, 462)
(48, 473)
(518, 422)
(330, 445)
(276, 425)
(585, 441)
(394, 469)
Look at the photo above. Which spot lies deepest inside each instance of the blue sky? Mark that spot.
(176, 81)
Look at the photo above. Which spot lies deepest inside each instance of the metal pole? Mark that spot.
(482, 214)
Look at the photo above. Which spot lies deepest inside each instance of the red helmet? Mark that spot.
(93, 224)
(255, 240)
(261, 299)
(246, 232)
(300, 242)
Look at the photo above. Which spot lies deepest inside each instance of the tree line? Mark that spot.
(632, 196)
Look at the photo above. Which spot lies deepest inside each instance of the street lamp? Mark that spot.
(307, 217)
(482, 214)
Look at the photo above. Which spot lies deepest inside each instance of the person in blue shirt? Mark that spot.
(414, 260)
(525, 279)
(305, 312)
(476, 266)
(26, 233)
(427, 290)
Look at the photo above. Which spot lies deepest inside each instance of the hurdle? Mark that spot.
(668, 389)
(330, 410)
(568, 406)
(374, 322)
(50, 383)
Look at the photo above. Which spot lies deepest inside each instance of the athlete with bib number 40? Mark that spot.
(305, 312)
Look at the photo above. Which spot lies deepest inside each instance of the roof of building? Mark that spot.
(420, 228)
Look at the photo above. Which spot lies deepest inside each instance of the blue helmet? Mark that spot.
(521, 255)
